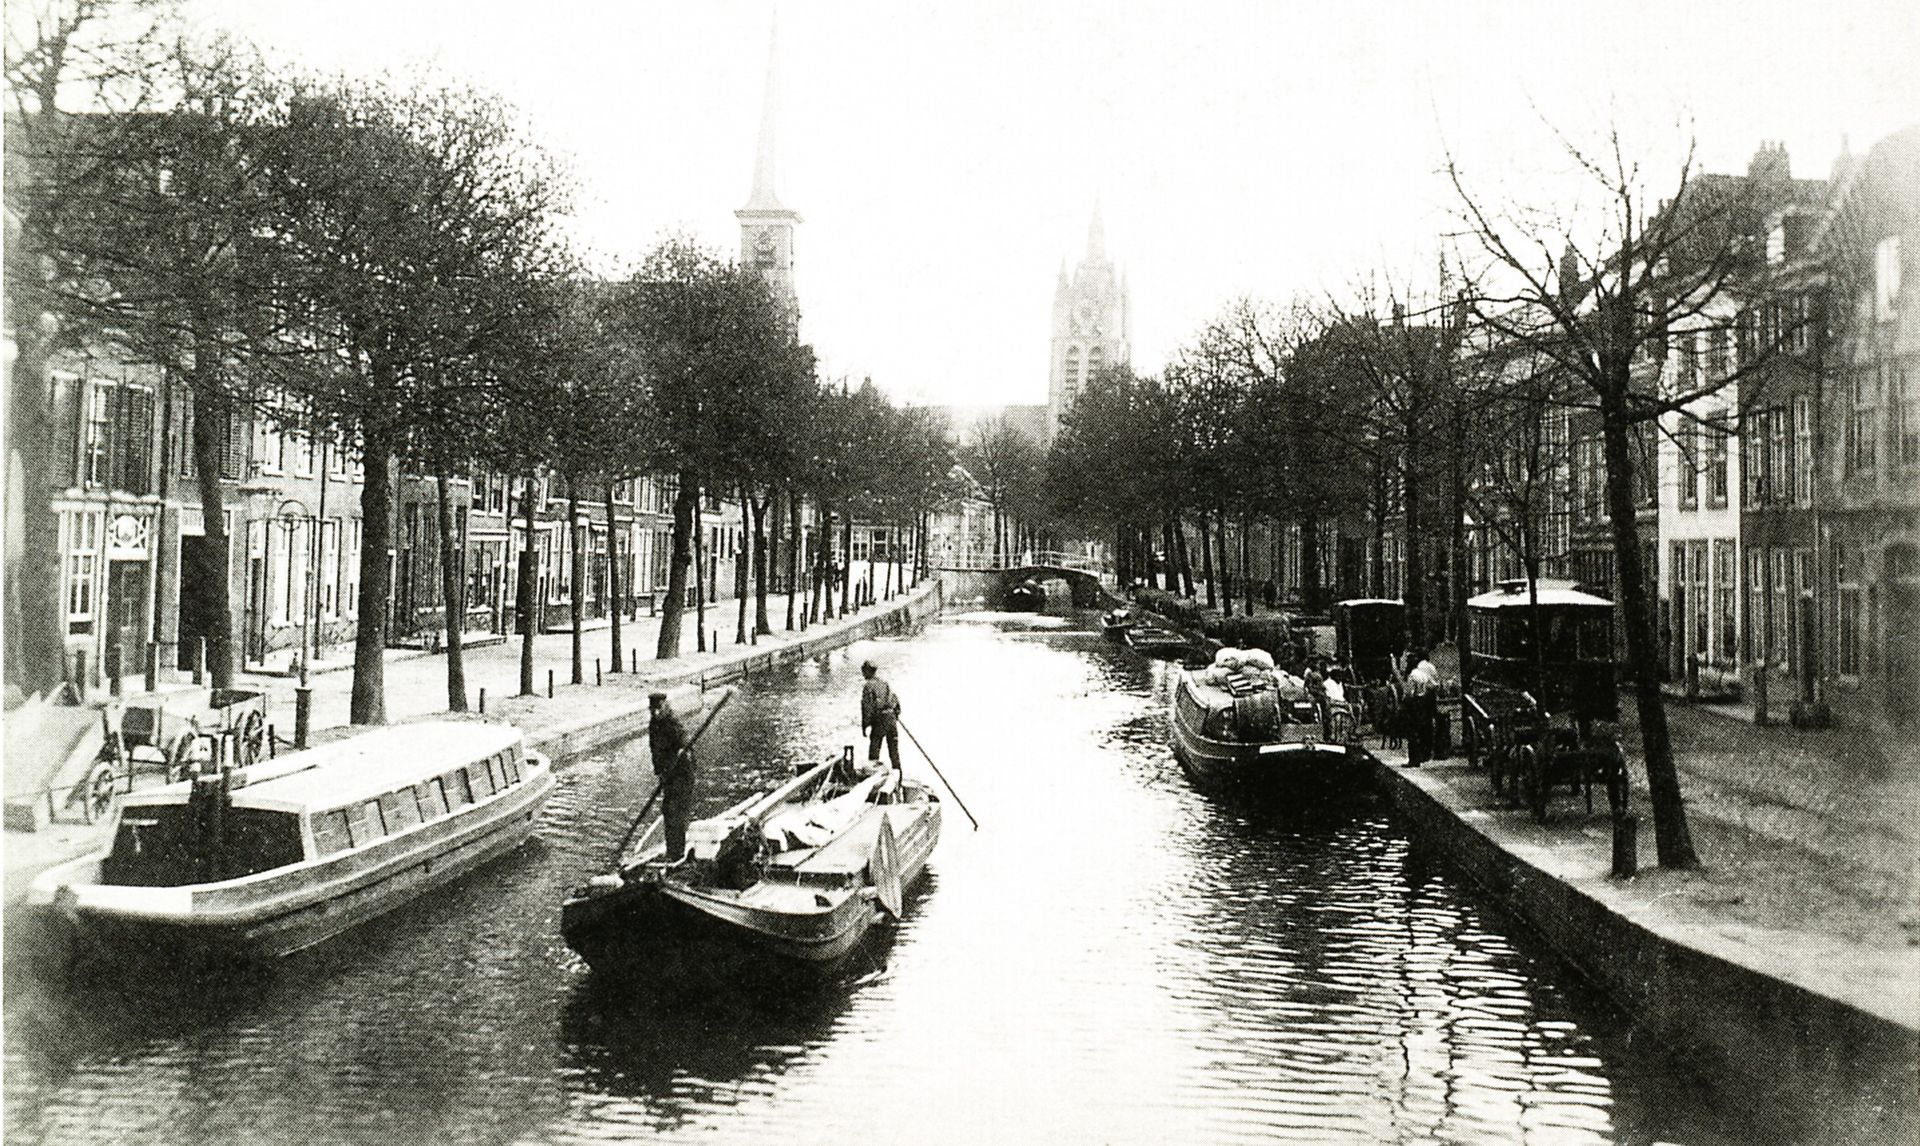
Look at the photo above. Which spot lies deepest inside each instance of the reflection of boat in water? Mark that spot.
(262, 861)
(797, 875)
(1028, 596)
(1245, 721)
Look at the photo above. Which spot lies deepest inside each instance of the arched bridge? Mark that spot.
(1082, 574)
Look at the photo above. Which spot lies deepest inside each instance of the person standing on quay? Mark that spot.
(1423, 708)
(673, 764)
(879, 716)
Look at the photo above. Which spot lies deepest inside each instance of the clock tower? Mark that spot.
(766, 226)
(1092, 320)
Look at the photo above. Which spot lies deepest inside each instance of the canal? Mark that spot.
(1114, 956)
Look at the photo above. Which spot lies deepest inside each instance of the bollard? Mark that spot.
(153, 666)
(636, 662)
(200, 660)
(80, 674)
(1626, 846)
(549, 684)
(302, 714)
(113, 670)
(273, 742)
(596, 670)
(483, 702)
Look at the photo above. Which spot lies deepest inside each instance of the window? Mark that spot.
(302, 456)
(119, 437)
(1849, 630)
(459, 793)
(497, 771)
(1860, 425)
(83, 566)
(1803, 451)
(479, 779)
(233, 443)
(351, 597)
(1903, 417)
(330, 567)
(432, 796)
(1725, 609)
(1717, 476)
(269, 446)
(400, 809)
(510, 761)
(1756, 631)
(1780, 608)
(330, 833)
(1719, 350)
(1700, 625)
(181, 433)
(1687, 463)
(365, 822)
(1780, 480)
(1886, 278)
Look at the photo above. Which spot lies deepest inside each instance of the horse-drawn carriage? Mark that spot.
(1540, 703)
(170, 737)
(1369, 637)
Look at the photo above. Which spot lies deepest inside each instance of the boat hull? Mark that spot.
(1300, 757)
(669, 926)
(268, 916)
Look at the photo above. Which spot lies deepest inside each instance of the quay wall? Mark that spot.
(623, 722)
(1733, 1021)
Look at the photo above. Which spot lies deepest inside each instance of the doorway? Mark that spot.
(127, 614)
(201, 596)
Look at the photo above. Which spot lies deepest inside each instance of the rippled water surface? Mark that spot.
(1113, 957)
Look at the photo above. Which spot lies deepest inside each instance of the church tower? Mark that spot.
(766, 226)
(1092, 323)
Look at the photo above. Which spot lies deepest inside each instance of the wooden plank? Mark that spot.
(849, 851)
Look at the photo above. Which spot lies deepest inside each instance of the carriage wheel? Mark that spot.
(251, 745)
(100, 792)
(1531, 784)
(179, 757)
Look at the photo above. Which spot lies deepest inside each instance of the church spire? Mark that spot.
(1096, 236)
(763, 197)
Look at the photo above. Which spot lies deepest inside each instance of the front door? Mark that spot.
(127, 614)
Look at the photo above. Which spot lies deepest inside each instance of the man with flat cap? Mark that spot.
(673, 764)
(879, 716)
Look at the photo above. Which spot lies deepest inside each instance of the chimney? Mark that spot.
(1770, 162)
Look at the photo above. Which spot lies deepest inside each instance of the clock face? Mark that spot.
(764, 242)
(1086, 317)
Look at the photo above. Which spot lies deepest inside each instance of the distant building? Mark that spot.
(1092, 325)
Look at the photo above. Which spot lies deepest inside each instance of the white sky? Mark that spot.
(946, 156)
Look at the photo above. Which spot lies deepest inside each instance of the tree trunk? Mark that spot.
(1310, 596)
(846, 563)
(1673, 842)
(210, 414)
(1226, 570)
(1457, 529)
(369, 702)
(762, 558)
(793, 557)
(740, 559)
(576, 580)
(1206, 555)
(35, 617)
(1377, 568)
(1415, 588)
(453, 603)
(699, 575)
(1186, 558)
(528, 591)
(668, 645)
(615, 605)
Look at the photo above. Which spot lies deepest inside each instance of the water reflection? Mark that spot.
(1115, 956)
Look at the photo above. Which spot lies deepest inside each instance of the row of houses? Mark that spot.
(132, 534)
(1779, 513)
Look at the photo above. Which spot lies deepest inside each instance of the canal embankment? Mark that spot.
(1769, 964)
(560, 719)
(1789, 960)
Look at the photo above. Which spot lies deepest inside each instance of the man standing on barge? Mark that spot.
(673, 764)
(879, 716)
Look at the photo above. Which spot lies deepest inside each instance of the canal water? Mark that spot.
(1114, 956)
